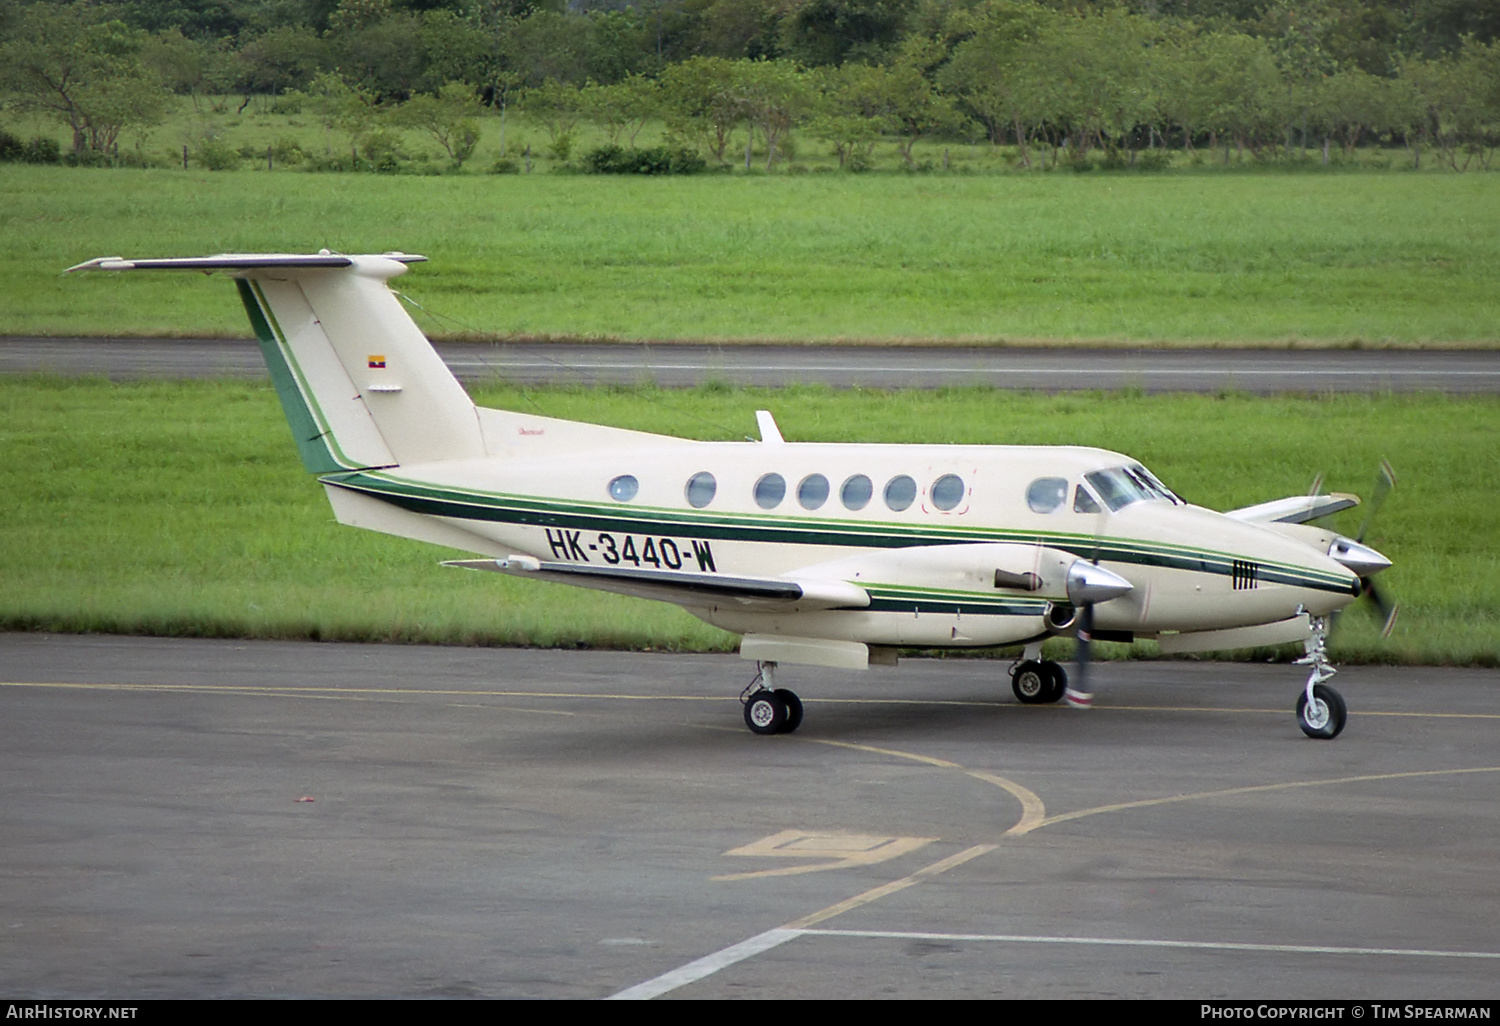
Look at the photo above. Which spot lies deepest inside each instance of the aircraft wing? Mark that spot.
(682, 587)
(1295, 509)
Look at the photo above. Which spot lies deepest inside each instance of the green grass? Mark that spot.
(1192, 258)
(181, 509)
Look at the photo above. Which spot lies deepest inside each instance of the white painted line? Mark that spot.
(501, 364)
(706, 966)
(710, 964)
(1131, 942)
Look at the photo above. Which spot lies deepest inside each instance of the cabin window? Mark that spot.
(624, 488)
(770, 490)
(948, 491)
(813, 491)
(900, 492)
(856, 492)
(700, 489)
(1046, 494)
(1083, 502)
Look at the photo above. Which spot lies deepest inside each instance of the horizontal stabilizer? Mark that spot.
(683, 587)
(233, 262)
(1295, 509)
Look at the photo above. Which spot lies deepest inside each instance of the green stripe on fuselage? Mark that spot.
(550, 513)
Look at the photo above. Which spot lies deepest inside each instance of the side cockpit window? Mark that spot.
(1084, 502)
(1046, 494)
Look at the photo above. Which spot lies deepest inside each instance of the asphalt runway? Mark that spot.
(186, 818)
(1053, 369)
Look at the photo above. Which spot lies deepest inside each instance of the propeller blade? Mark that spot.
(1388, 610)
(1385, 480)
(1078, 693)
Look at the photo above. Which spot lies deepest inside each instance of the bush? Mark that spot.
(40, 150)
(1153, 160)
(216, 155)
(561, 148)
(383, 150)
(287, 151)
(505, 167)
(657, 160)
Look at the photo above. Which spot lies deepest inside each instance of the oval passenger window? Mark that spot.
(624, 488)
(770, 490)
(900, 492)
(700, 489)
(813, 491)
(856, 492)
(947, 492)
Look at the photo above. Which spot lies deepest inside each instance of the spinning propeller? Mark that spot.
(1357, 557)
(1088, 584)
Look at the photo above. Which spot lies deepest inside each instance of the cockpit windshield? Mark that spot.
(1120, 486)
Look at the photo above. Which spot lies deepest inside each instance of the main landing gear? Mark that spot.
(769, 709)
(1320, 709)
(1037, 681)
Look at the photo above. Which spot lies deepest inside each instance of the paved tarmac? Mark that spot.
(187, 818)
(1150, 370)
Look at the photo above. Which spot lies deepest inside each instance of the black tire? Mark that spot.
(1031, 683)
(1057, 681)
(1324, 717)
(765, 713)
(793, 709)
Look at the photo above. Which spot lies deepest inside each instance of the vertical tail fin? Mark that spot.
(360, 383)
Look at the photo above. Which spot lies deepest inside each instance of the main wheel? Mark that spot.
(1031, 683)
(1324, 716)
(793, 709)
(766, 713)
(1057, 681)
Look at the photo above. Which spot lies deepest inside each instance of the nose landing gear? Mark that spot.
(1320, 709)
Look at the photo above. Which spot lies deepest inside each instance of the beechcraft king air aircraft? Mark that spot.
(821, 554)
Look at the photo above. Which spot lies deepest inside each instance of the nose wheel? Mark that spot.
(1321, 716)
(769, 709)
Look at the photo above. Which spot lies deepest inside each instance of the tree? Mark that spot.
(819, 32)
(897, 100)
(700, 103)
(84, 71)
(450, 116)
(557, 107)
(196, 67)
(330, 99)
(773, 96)
(283, 58)
(622, 108)
(999, 73)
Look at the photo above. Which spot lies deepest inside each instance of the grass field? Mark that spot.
(181, 509)
(1192, 258)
